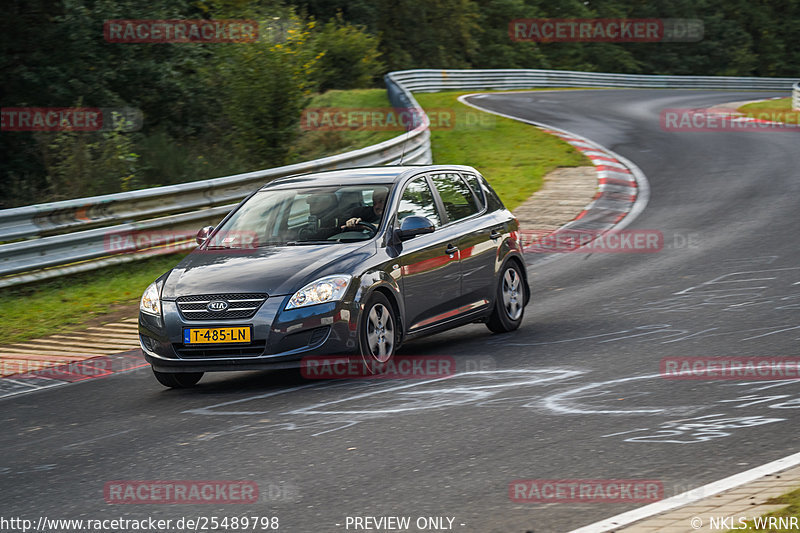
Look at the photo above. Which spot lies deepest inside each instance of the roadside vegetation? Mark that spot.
(315, 143)
(774, 110)
(215, 109)
(513, 156)
(60, 304)
(792, 510)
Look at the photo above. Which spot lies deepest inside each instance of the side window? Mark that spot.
(417, 200)
(475, 185)
(299, 211)
(456, 196)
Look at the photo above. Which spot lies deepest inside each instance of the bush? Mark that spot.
(264, 88)
(349, 56)
(86, 164)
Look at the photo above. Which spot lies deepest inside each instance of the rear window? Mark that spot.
(457, 197)
(475, 185)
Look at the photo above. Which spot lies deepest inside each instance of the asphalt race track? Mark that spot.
(576, 393)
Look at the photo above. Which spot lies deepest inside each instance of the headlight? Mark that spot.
(327, 289)
(151, 302)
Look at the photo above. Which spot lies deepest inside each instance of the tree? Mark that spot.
(349, 57)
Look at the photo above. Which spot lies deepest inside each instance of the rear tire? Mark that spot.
(379, 333)
(509, 304)
(178, 380)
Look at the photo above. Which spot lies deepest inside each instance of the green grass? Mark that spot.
(514, 157)
(52, 306)
(773, 110)
(313, 144)
(792, 509)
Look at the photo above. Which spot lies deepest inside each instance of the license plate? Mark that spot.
(237, 334)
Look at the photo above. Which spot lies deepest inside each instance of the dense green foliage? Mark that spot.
(217, 109)
(742, 37)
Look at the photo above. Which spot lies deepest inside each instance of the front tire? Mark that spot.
(509, 305)
(178, 380)
(379, 333)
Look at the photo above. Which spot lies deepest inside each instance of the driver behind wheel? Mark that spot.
(370, 213)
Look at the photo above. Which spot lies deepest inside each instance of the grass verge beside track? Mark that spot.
(792, 500)
(316, 143)
(60, 304)
(773, 110)
(513, 156)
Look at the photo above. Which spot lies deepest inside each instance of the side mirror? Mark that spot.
(202, 235)
(412, 226)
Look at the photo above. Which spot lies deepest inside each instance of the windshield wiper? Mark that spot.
(302, 243)
(292, 243)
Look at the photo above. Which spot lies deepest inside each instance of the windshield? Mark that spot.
(309, 215)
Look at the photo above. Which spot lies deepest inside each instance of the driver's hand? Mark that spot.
(351, 223)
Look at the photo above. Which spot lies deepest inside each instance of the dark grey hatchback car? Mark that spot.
(350, 261)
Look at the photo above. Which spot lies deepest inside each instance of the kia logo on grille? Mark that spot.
(217, 305)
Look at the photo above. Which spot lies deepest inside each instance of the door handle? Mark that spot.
(495, 234)
(451, 249)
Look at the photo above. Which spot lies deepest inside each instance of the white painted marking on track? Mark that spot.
(689, 336)
(691, 496)
(444, 397)
(561, 402)
(643, 186)
(770, 333)
(207, 410)
(623, 432)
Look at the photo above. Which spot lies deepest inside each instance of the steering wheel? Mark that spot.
(372, 227)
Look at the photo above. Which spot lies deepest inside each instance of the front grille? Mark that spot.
(241, 305)
(253, 349)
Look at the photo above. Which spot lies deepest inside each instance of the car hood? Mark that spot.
(275, 270)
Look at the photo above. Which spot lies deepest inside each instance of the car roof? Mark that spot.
(358, 176)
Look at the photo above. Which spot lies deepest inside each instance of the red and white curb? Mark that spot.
(623, 190)
(617, 187)
(731, 111)
(72, 372)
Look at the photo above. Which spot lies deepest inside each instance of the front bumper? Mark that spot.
(280, 338)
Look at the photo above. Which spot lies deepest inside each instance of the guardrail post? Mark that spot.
(796, 97)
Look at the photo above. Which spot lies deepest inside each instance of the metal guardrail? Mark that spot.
(72, 235)
(429, 80)
(796, 97)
